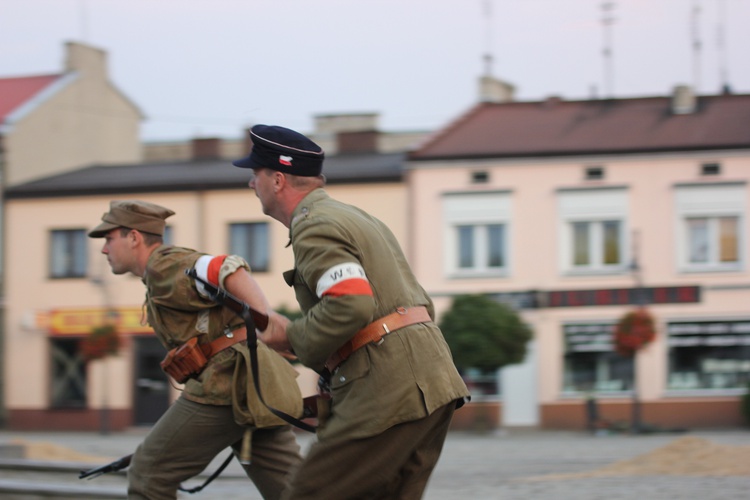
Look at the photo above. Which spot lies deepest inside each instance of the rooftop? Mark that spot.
(196, 175)
(16, 91)
(606, 126)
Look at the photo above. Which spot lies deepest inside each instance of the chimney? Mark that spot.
(85, 59)
(247, 143)
(493, 90)
(347, 132)
(365, 141)
(345, 122)
(206, 149)
(684, 100)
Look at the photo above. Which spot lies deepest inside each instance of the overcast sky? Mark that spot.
(199, 68)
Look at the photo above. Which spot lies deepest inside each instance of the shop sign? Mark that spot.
(61, 322)
(621, 296)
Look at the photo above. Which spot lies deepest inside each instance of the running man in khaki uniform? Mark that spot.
(367, 326)
(203, 421)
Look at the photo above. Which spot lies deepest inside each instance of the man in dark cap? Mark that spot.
(368, 328)
(204, 420)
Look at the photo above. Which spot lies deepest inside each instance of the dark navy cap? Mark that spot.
(282, 149)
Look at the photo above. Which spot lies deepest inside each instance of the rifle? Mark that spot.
(252, 319)
(123, 462)
(115, 466)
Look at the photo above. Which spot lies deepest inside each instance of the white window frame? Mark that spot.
(712, 202)
(68, 254)
(480, 210)
(593, 206)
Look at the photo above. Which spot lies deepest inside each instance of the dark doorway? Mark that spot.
(151, 385)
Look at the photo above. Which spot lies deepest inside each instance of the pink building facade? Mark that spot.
(577, 213)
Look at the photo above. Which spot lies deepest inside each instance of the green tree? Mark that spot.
(484, 334)
(289, 313)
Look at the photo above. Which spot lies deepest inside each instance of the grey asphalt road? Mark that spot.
(505, 465)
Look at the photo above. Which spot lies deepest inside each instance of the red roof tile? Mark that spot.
(557, 127)
(16, 91)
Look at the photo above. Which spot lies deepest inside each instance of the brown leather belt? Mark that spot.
(375, 331)
(221, 343)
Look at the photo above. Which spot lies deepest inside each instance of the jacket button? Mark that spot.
(342, 379)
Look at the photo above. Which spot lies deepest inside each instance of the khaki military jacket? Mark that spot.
(411, 373)
(177, 313)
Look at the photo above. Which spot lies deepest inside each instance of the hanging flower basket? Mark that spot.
(634, 331)
(103, 341)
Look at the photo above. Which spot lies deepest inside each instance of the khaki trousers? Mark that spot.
(393, 465)
(189, 435)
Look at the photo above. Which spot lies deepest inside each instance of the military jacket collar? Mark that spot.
(302, 210)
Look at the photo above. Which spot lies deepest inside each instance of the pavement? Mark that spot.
(505, 464)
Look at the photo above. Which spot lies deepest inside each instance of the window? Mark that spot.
(593, 230)
(709, 354)
(67, 374)
(68, 253)
(596, 244)
(480, 177)
(591, 363)
(712, 240)
(168, 236)
(476, 233)
(594, 173)
(710, 222)
(710, 169)
(481, 246)
(251, 241)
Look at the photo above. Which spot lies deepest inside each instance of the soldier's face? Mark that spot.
(261, 183)
(118, 249)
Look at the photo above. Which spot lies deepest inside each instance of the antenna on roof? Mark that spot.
(488, 59)
(695, 32)
(722, 47)
(84, 20)
(608, 20)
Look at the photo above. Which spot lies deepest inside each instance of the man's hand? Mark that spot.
(275, 335)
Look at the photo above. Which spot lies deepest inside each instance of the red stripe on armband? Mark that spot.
(354, 286)
(212, 275)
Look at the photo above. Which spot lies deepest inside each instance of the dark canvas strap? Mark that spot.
(228, 300)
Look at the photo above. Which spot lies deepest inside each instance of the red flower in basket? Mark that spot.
(103, 341)
(634, 330)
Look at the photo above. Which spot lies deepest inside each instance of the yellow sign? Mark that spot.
(129, 320)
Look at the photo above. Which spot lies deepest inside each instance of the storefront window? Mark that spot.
(481, 383)
(591, 364)
(709, 354)
(68, 374)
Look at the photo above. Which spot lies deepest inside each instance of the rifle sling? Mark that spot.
(252, 346)
(223, 297)
(210, 478)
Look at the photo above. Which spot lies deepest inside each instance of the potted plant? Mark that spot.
(103, 341)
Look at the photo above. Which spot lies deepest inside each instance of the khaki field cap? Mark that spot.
(133, 214)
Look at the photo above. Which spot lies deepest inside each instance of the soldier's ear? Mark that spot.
(135, 237)
(279, 180)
